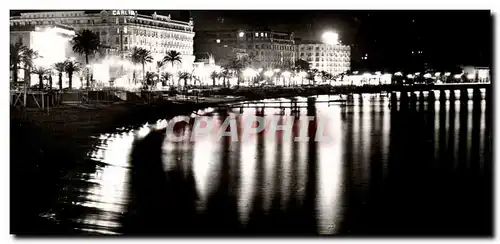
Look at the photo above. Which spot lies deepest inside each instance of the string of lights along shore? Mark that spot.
(255, 55)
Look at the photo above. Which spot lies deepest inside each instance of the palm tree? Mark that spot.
(310, 76)
(16, 56)
(71, 67)
(165, 77)
(302, 65)
(172, 56)
(87, 43)
(29, 55)
(141, 56)
(40, 71)
(183, 75)
(159, 65)
(214, 75)
(237, 65)
(224, 74)
(150, 79)
(60, 67)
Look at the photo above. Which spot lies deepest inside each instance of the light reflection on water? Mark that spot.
(367, 124)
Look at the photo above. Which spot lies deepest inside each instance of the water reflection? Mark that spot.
(402, 163)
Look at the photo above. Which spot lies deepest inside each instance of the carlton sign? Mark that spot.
(123, 12)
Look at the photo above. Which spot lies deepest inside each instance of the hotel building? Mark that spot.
(121, 30)
(334, 59)
(270, 49)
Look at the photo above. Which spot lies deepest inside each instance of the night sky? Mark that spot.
(446, 38)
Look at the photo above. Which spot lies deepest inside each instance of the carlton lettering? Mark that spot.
(123, 12)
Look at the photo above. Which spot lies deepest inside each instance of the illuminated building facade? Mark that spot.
(270, 49)
(43, 40)
(121, 30)
(331, 58)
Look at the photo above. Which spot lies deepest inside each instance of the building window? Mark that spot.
(88, 21)
(126, 40)
(256, 34)
(117, 40)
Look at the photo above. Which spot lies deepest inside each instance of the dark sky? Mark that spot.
(446, 38)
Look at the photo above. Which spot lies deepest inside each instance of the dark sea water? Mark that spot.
(414, 167)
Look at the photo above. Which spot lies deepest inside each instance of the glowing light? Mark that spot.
(286, 74)
(437, 74)
(302, 74)
(330, 37)
(366, 75)
(398, 74)
(457, 76)
(218, 40)
(417, 73)
(276, 70)
(268, 73)
(427, 76)
(45, 39)
(470, 76)
(482, 74)
(249, 73)
(241, 34)
(378, 73)
(409, 76)
(447, 74)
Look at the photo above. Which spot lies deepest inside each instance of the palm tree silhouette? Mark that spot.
(16, 56)
(40, 71)
(60, 67)
(71, 67)
(214, 75)
(165, 77)
(87, 43)
(183, 75)
(159, 65)
(29, 55)
(172, 56)
(141, 56)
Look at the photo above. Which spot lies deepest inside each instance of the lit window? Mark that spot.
(241, 34)
(256, 34)
(218, 40)
(266, 34)
(125, 30)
